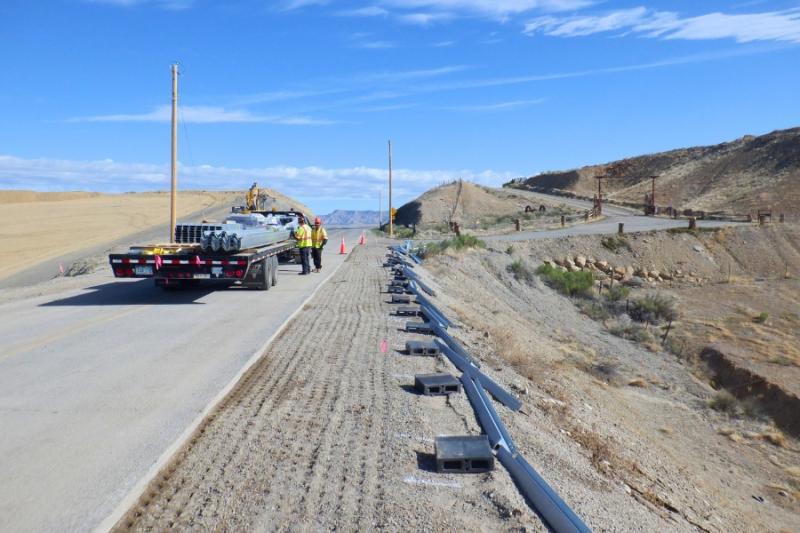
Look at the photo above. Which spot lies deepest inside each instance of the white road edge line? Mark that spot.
(136, 492)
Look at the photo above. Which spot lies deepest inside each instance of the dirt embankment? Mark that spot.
(739, 176)
(472, 206)
(38, 226)
(641, 416)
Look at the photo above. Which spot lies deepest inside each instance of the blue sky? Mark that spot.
(302, 95)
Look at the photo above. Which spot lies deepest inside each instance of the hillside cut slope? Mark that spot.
(738, 176)
(465, 203)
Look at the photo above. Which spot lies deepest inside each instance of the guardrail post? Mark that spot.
(563, 221)
(692, 223)
(621, 229)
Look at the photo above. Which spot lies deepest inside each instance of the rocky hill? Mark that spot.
(341, 217)
(738, 176)
(466, 203)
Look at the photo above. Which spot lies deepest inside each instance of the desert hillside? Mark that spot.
(39, 226)
(465, 203)
(738, 176)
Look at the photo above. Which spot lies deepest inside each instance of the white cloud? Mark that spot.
(368, 11)
(166, 4)
(747, 27)
(424, 19)
(498, 106)
(290, 5)
(203, 115)
(109, 176)
(375, 45)
(493, 8)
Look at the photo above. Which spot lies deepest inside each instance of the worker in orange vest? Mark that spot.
(319, 238)
(303, 236)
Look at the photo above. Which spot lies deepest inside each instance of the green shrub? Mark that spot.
(761, 317)
(521, 271)
(594, 310)
(653, 308)
(456, 243)
(617, 293)
(569, 283)
(725, 402)
(615, 243)
(627, 329)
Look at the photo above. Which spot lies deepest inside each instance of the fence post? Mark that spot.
(563, 221)
(621, 229)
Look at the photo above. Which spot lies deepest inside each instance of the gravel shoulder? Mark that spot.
(325, 432)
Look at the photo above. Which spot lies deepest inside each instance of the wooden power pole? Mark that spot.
(172, 198)
(391, 213)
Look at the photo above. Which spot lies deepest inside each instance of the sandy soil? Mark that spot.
(35, 230)
(639, 416)
(325, 433)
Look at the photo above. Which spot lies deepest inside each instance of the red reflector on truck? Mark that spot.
(241, 263)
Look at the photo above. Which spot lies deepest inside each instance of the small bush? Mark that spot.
(627, 329)
(615, 243)
(594, 311)
(653, 308)
(761, 317)
(510, 249)
(724, 402)
(617, 293)
(456, 243)
(569, 283)
(521, 271)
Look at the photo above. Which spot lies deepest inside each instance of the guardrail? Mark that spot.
(556, 514)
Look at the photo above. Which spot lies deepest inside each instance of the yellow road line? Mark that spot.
(66, 332)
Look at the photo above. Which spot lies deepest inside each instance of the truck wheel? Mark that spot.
(274, 270)
(264, 277)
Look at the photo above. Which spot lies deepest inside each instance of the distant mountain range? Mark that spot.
(341, 217)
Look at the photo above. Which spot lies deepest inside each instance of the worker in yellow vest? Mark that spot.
(303, 236)
(319, 238)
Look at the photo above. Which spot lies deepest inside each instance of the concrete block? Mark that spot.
(436, 384)
(468, 454)
(408, 310)
(419, 327)
(401, 299)
(422, 348)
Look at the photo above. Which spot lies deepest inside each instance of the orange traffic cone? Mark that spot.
(363, 240)
(342, 249)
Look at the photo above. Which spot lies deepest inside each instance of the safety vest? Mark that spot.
(317, 236)
(303, 235)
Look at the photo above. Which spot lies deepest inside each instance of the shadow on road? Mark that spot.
(141, 292)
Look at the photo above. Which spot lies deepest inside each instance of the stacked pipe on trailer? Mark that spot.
(241, 232)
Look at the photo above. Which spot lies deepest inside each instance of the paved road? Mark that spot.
(614, 215)
(97, 382)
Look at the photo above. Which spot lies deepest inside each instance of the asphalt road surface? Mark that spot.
(633, 223)
(98, 381)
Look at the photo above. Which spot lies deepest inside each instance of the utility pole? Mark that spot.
(391, 217)
(653, 195)
(380, 207)
(172, 198)
(599, 195)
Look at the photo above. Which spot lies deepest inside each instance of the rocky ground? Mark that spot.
(642, 415)
(325, 432)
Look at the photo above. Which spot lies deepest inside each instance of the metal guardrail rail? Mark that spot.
(556, 514)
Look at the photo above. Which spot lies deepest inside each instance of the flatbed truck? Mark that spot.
(174, 267)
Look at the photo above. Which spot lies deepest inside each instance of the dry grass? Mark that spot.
(638, 382)
(775, 437)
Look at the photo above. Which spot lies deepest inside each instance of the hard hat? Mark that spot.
(317, 221)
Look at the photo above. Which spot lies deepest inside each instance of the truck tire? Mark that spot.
(265, 276)
(274, 270)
